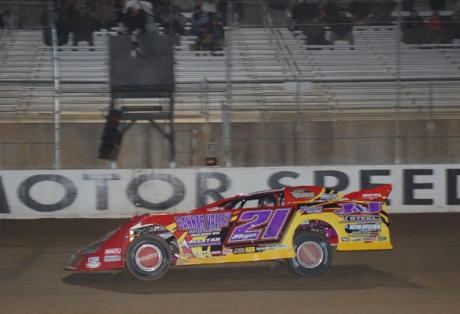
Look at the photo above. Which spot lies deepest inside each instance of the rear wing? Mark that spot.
(377, 194)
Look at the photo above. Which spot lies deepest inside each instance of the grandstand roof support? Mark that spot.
(150, 114)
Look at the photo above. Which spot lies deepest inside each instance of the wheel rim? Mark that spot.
(148, 257)
(310, 254)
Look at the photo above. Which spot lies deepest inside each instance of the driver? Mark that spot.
(266, 201)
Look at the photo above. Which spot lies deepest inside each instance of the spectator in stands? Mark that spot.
(177, 21)
(106, 14)
(455, 24)
(177, 24)
(437, 5)
(135, 20)
(435, 30)
(435, 21)
(162, 12)
(412, 21)
(302, 13)
(407, 5)
(451, 25)
(199, 18)
(146, 8)
(62, 29)
(217, 32)
(381, 14)
(414, 29)
(209, 7)
(179, 18)
(278, 9)
(360, 11)
(315, 33)
(204, 40)
(278, 5)
(84, 27)
(186, 5)
(238, 12)
(5, 17)
(222, 12)
(329, 10)
(341, 28)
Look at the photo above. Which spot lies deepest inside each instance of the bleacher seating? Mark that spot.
(375, 56)
(28, 60)
(261, 60)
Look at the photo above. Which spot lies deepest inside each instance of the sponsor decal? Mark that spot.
(203, 223)
(239, 250)
(281, 246)
(205, 253)
(369, 239)
(205, 234)
(371, 208)
(260, 225)
(250, 249)
(227, 251)
(361, 218)
(380, 239)
(112, 258)
(204, 242)
(243, 237)
(204, 231)
(214, 253)
(372, 195)
(301, 193)
(147, 257)
(112, 251)
(362, 228)
(327, 197)
(93, 259)
(261, 248)
(202, 234)
(311, 210)
(344, 239)
(271, 247)
(356, 239)
(93, 265)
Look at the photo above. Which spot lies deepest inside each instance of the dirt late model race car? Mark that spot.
(297, 225)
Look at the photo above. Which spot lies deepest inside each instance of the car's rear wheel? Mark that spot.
(148, 257)
(313, 254)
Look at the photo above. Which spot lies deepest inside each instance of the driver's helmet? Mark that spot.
(267, 200)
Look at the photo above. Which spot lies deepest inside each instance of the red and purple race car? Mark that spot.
(296, 224)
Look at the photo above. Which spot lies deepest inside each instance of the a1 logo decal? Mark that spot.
(259, 225)
(351, 208)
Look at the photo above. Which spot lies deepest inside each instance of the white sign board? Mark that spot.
(110, 193)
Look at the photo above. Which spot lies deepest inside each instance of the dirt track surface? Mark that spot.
(421, 275)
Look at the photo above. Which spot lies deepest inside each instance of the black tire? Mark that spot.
(313, 254)
(148, 257)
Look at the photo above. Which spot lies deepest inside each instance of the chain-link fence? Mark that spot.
(271, 92)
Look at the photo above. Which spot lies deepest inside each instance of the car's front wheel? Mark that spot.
(313, 254)
(148, 257)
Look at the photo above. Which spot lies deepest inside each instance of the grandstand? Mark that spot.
(266, 99)
(262, 61)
